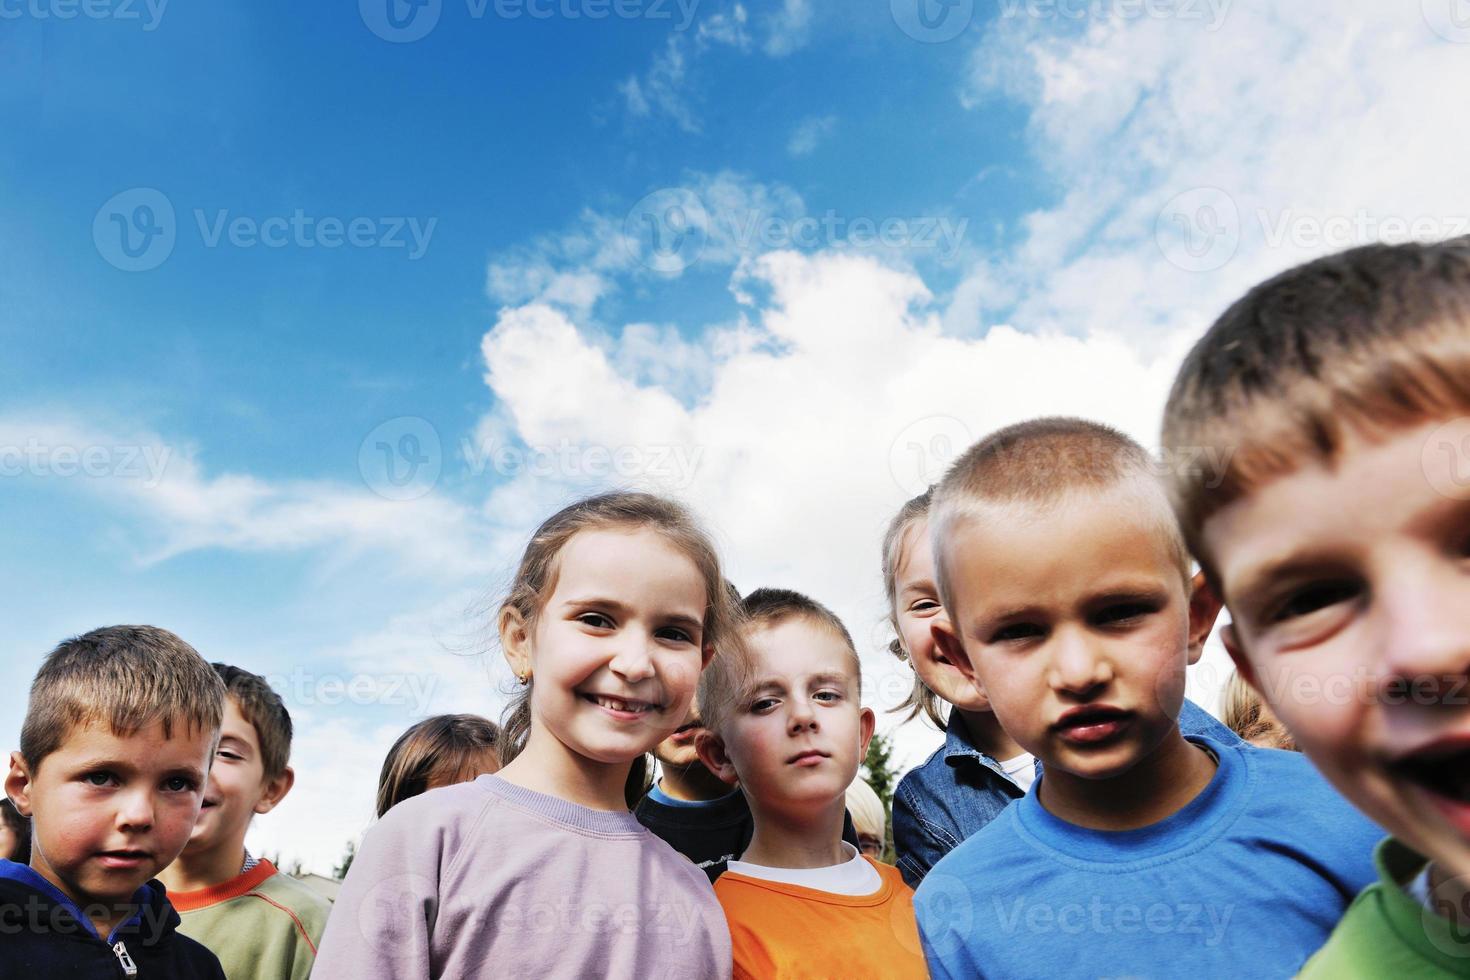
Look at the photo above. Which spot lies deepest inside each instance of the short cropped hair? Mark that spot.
(1038, 462)
(1367, 342)
(726, 680)
(260, 705)
(126, 677)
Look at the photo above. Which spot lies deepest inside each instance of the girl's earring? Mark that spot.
(524, 678)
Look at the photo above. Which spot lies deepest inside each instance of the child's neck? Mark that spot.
(1158, 786)
(988, 736)
(547, 766)
(797, 840)
(193, 870)
(692, 783)
(104, 924)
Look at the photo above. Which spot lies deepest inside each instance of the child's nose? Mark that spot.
(1080, 663)
(633, 661)
(135, 810)
(1426, 633)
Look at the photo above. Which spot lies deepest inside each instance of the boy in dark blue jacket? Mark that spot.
(118, 739)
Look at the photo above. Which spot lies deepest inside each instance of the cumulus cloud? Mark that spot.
(1200, 152)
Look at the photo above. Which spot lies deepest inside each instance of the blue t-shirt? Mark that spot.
(1249, 878)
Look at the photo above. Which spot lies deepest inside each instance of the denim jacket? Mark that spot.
(960, 789)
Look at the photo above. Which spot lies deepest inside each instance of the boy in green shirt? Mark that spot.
(1338, 395)
(259, 922)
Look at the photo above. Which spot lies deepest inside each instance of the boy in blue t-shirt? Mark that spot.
(1138, 852)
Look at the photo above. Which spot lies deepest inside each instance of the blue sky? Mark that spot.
(1096, 187)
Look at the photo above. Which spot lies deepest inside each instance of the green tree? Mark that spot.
(879, 772)
(340, 871)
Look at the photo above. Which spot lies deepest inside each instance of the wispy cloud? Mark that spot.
(809, 134)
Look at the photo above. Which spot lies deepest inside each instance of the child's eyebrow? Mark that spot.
(837, 677)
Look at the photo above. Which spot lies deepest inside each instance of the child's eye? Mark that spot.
(924, 605)
(596, 620)
(225, 754)
(828, 696)
(99, 778)
(179, 784)
(1123, 612)
(1016, 631)
(1312, 598)
(762, 704)
(676, 634)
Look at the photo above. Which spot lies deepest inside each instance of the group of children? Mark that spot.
(1081, 819)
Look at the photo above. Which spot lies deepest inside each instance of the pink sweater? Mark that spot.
(486, 879)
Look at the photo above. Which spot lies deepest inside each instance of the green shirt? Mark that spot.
(1389, 933)
(263, 925)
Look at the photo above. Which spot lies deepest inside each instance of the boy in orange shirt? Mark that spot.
(785, 722)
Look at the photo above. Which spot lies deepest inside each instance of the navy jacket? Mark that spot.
(960, 789)
(43, 935)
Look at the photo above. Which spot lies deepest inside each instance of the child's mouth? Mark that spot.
(1442, 771)
(622, 708)
(122, 860)
(1092, 725)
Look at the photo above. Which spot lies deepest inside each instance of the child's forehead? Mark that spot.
(795, 648)
(98, 737)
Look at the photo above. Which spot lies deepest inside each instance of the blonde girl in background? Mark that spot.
(540, 869)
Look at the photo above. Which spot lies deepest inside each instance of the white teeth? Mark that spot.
(617, 705)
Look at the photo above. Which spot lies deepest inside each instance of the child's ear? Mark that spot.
(705, 655)
(867, 722)
(711, 750)
(1204, 609)
(948, 642)
(276, 790)
(18, 784)
(515, 641)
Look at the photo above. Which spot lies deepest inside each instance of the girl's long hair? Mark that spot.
(451, 748)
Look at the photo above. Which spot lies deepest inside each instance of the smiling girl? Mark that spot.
(540, 870)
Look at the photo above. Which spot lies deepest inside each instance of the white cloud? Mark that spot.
(179, 508)
(661, 89)
(809, 133)
(1193, 162)
(789, 29)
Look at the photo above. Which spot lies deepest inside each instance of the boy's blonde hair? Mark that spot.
(895, 549)
(726, 682)
(260, 705)
(535, 580)
(125, 677)
(1368, 341)
(1038, 462)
